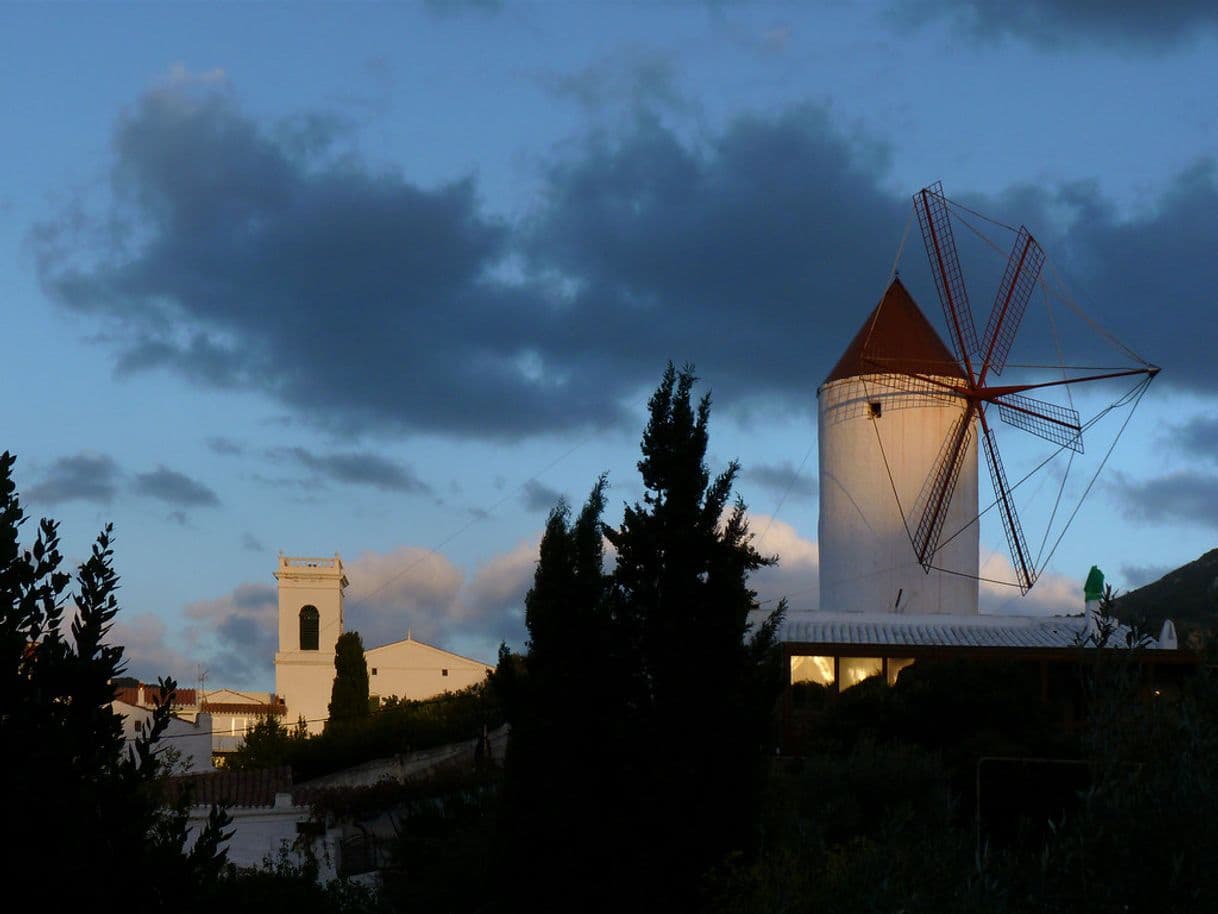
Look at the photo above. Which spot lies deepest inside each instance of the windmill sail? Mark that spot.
(936, 225)
(1018, 283)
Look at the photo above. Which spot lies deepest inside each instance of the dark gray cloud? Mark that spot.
(1064, 23)
(784, 479)
(225, 447)
(237, 634)
(81, 477)
(356, 468)
(269, 259)
(365, 302)
(446, 8)
(1198, 436)
(174, 488)
(646, 79)
(1140, 575)
(536, 496)
(1180, 497)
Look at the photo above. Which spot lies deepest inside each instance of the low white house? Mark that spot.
(268, 823)
(189, 740)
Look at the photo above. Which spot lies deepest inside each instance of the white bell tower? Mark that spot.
(310, 621)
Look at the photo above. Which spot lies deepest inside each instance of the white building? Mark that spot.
(879, 442)
(882, 427)
(310, 621)
(189, 739)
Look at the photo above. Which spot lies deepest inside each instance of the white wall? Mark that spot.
(865, 553)
(261, 832)
(414, 670)
(191, 739)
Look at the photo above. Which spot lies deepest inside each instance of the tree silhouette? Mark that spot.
(641, 708)
(349, 695)
(88, 809)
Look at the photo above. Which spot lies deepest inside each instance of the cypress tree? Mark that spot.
(349, 695)
(643, 703)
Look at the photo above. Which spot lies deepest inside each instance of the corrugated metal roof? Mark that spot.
(890, 629)
(896, 338)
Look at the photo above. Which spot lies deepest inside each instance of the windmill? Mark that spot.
(900, 414)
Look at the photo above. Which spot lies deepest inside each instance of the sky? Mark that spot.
(391, 280)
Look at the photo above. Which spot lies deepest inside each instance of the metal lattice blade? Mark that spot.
(935, 222)
(936, 497)
(1018, 283)
(1025, 574)
(1058, 424)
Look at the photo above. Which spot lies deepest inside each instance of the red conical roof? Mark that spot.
(896, 338)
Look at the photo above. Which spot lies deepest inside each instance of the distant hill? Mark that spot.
(1188, 596)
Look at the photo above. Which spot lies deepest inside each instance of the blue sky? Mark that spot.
(389, 280)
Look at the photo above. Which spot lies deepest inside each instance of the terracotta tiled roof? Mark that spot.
(183, 698)
(233, 788)
(896, 338)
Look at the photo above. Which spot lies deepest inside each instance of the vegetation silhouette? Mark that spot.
(640, 710)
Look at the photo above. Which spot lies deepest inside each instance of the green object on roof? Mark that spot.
(1094, 588)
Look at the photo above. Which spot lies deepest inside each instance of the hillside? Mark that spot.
(1188, 596)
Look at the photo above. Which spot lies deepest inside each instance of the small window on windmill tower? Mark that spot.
(875, 409)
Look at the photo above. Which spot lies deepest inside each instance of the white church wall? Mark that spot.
(413, 670)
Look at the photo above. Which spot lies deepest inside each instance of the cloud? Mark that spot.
(784, 479)
(225, 447)
(82, 477)
(797, 574)
(231, 242)
(174, 488)
(236, 635)
(642, 79)
(1063, 23)
(1051, 595)
(496, 594)
(452, 8)
(251, 543)
(1198, 435)
(408, 589)
(359, 468)
(1186, 496)
(1139, 575)
(538, 497)
(754, 251)
(147, 654)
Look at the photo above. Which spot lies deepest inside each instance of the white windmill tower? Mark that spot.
(899, 418)
(866, 564)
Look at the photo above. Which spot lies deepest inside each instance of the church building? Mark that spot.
(310, 621)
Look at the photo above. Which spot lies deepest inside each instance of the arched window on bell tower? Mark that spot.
(310, 626)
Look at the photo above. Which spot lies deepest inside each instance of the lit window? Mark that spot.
(855, 669)
(812, 669)
(895, 665)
